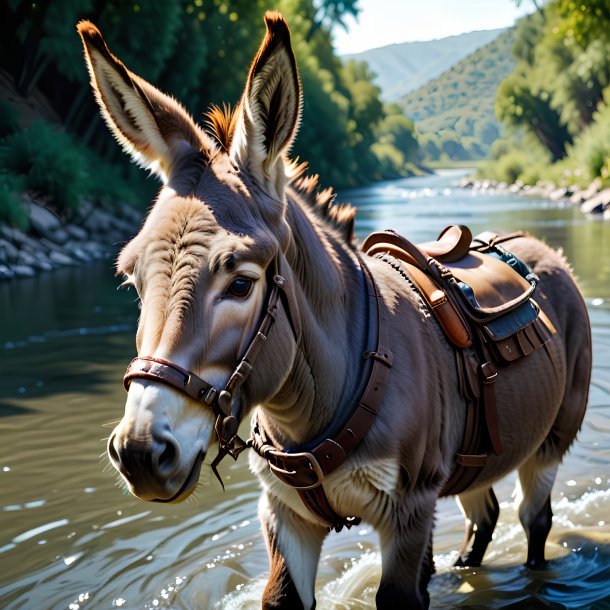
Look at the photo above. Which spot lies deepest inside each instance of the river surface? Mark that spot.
(71, 537)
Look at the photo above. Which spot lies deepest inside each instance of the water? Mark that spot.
(71, 537)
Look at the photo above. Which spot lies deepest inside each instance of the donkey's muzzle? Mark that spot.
(151, 465)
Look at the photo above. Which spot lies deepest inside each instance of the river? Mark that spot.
(72, 538)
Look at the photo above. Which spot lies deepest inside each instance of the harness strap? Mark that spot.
(306, 470)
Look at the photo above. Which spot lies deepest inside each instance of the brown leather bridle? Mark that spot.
(221, 401)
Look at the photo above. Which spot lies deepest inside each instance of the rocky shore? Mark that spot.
(93, 233)
(594, 199)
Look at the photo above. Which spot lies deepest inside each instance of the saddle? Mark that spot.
(482, 296)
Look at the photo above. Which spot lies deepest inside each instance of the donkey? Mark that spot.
(242, 253)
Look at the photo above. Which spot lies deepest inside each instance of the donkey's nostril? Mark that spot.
(112, 452)
(169, 456)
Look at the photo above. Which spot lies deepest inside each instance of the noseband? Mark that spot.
(221, 402)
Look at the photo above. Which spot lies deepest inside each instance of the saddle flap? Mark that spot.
(490, 286)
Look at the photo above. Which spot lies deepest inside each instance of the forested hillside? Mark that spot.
(54, 144)
(455, 113)
(401, 68)
(556, 102)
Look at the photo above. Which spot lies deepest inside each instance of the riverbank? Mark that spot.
(593, 199)
(92, 233)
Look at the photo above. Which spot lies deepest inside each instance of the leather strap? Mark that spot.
(306, 470)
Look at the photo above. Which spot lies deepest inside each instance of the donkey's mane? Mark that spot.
(221, 123)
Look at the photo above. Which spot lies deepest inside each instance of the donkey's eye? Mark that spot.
(240, 288)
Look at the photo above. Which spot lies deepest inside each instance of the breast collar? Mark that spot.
(305, 468)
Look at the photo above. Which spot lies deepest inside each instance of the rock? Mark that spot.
(60, 258)
(8, 252)
(591, 190)
(50, 246)
(577, 196)
(59, 236)
(558, 194)
(42, 220)
(23, 271)
(6, 273)
(597, 203)
(43, 263)
(76, 251)
(96, 250)
(515, 188)
(606, 215)
(76, 232)
(98, 221)
(25, 258)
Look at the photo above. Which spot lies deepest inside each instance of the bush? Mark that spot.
(591, 149)
(49, 161)
(9, 119)
(11, 208)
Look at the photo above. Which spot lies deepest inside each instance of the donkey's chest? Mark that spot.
(354, 489)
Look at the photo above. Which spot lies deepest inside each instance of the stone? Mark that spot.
(59, 236)
(96, 250)
(76, 251)
(60, 258)
(23, 271)
(8, 250)
(558, 194)
(76, 232)
(597, 203)
(44, 264)
(50, 246)
(6, 273)
(98, 221)
(25, 258)
(42, 220)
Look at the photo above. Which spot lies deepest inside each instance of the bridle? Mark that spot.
(222, 402)
(305, 468)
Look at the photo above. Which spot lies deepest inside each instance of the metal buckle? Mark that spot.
(488, 372)
(313, 464)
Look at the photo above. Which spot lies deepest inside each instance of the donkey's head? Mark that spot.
(204, 261)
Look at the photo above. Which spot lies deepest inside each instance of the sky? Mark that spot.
(384, 22)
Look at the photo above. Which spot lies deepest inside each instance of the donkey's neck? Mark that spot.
(320, 390)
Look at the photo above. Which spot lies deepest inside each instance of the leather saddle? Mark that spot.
(482, 296)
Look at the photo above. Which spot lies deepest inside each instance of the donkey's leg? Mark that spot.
(294, 547)
(406, 554)
(536, 479)
(481, 509)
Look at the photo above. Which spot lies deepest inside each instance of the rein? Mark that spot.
(302, 468)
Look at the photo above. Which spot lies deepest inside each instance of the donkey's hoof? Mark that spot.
(468, 561)
(536, 564)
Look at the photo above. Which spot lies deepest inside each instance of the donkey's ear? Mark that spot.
(270, 107)
(151, 126)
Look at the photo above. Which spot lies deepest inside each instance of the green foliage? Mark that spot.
(556, 94)
(49, 161)
(9, 119)
(11, 208)
(457, 108)
(197, 51)
(591, 149)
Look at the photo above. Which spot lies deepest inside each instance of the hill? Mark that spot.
(401, 68)
(455, 112)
